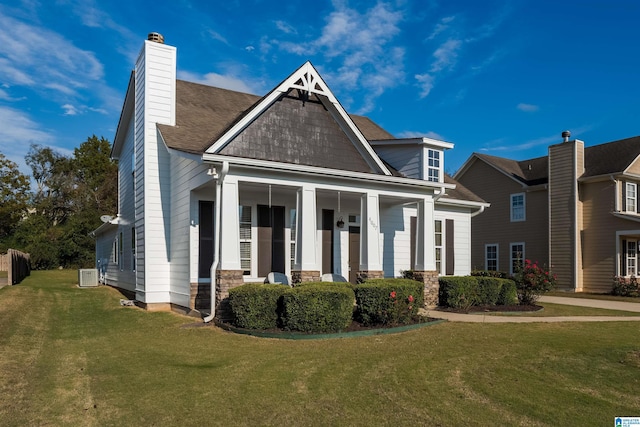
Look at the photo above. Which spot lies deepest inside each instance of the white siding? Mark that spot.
(155, 103)
(406, 159)
(461, 238)
(395, 224)
(184, 225)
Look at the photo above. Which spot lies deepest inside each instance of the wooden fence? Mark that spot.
(17, 264)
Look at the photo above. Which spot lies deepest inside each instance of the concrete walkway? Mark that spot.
(582, 302)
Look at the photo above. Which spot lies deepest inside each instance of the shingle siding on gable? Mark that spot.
(313, 139)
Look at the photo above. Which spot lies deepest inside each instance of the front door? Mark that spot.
(271, 253)
(327, 241)
(354, 253)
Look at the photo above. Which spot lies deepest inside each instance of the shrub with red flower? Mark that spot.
(532, 281)
(401, 310)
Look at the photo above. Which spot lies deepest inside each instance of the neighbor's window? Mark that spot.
(433, 165)
(245, 239)
(114, 251)
(491, 257)
(632, 257)
(517, 207)
(631, 197)
(438, 239)
(517, 257)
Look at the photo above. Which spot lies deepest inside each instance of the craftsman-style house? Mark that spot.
(218, 188)
(575, 210)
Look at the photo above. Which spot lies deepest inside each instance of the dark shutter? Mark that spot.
(623, 259)
(327, 241)
(450, 255)
(206, 239)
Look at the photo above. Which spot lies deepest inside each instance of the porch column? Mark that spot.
(306, 262)
(229, 274)
(425, 271)
(370, 252)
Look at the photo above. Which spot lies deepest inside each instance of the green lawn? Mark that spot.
(71, 356)
(558, 310)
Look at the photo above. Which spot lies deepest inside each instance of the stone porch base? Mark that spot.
(431, 286)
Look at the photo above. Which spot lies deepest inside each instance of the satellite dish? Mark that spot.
(106, 218)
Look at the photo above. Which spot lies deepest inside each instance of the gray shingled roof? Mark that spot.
(204, 113)
(610, 158)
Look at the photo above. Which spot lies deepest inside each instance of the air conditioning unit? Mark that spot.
(87, 277)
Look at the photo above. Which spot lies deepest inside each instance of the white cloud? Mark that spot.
(35, 56)
(17, 132)
(446, 55)
(415, 134)
(249, 48)
(69, 110)
(441, 27)
(223, 81)
(361, 43)
(285, 28)
(425, 82)
(527, 108)
(217, 36)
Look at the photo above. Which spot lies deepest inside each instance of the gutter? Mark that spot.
(216, 259)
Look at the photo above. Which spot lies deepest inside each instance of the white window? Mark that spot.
(433, 165)
(438, 239)
(632, 258)
(517, 257)
(631, 197)
(245, 239)
(292, 217)
(114, 251)
(518, 207)
(491, 257)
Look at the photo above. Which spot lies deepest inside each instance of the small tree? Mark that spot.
(532, 281)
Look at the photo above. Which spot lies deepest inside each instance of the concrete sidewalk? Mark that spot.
(582, 302)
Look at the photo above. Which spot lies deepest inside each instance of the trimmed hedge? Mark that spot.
(467, 291)
(256, 306)
(388, 301)
(317, 307)
(508, 293)
(458, 292)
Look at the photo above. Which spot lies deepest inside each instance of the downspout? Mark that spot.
(216, 236)
(478, 212)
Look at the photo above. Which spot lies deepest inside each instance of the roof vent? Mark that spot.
(566, 135)
(156, 37)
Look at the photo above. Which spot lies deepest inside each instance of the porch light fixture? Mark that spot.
(212, 172)
(340, 223)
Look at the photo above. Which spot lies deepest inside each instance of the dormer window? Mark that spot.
(434, 165)
(631, 197)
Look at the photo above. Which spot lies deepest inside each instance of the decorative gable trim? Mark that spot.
(305, 79)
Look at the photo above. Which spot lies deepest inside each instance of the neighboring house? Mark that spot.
(222, 184)
(575, 210)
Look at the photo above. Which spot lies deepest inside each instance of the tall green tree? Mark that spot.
(14, 197)
(70, 196)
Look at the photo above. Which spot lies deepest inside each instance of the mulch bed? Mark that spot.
(493, 309)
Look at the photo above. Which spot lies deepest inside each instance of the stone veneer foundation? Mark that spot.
(305, 276)
(431, 286)
(369, 274)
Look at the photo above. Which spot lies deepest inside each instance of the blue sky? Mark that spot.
(498, 77)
